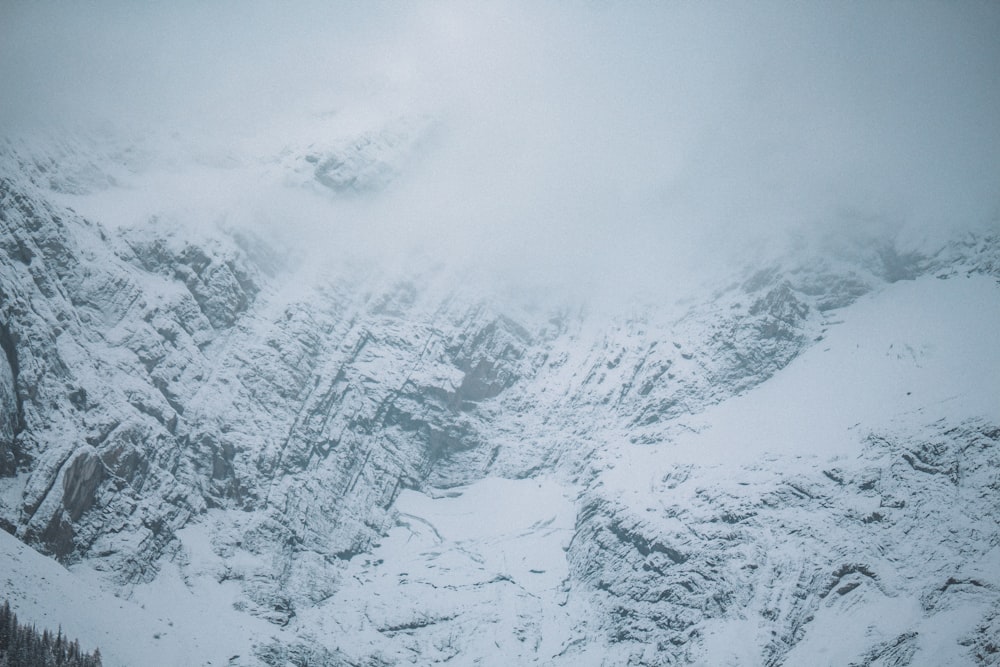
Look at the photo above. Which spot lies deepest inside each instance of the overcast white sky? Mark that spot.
(588, 138)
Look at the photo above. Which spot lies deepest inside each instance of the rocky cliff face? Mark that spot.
(787, 561)
(151, 379)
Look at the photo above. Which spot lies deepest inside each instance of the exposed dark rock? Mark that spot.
(84, 473)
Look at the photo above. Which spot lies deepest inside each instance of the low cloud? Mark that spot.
(580, 144)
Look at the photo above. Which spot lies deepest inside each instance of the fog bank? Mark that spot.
(578, 144)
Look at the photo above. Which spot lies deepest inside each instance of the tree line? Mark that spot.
(22, 645)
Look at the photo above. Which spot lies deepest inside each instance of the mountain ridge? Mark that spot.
(155, 381)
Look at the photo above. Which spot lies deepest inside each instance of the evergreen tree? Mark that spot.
(23, 646)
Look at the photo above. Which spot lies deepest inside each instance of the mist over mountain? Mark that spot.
(562, 136)
(508, 333)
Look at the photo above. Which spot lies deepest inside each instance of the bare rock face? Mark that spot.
(10, 405)
(84, 473)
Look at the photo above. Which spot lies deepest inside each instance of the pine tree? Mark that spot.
(59, 648)
(5, 615)
(23, 646)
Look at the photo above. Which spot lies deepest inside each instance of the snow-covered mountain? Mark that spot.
(221, 451)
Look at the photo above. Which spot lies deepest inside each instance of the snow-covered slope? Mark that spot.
(835, 509)
(354, 465)
(165, 624)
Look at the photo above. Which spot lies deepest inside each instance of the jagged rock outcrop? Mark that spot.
(159, 380)
(792, 553)
(10, 404)
(359, 164)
